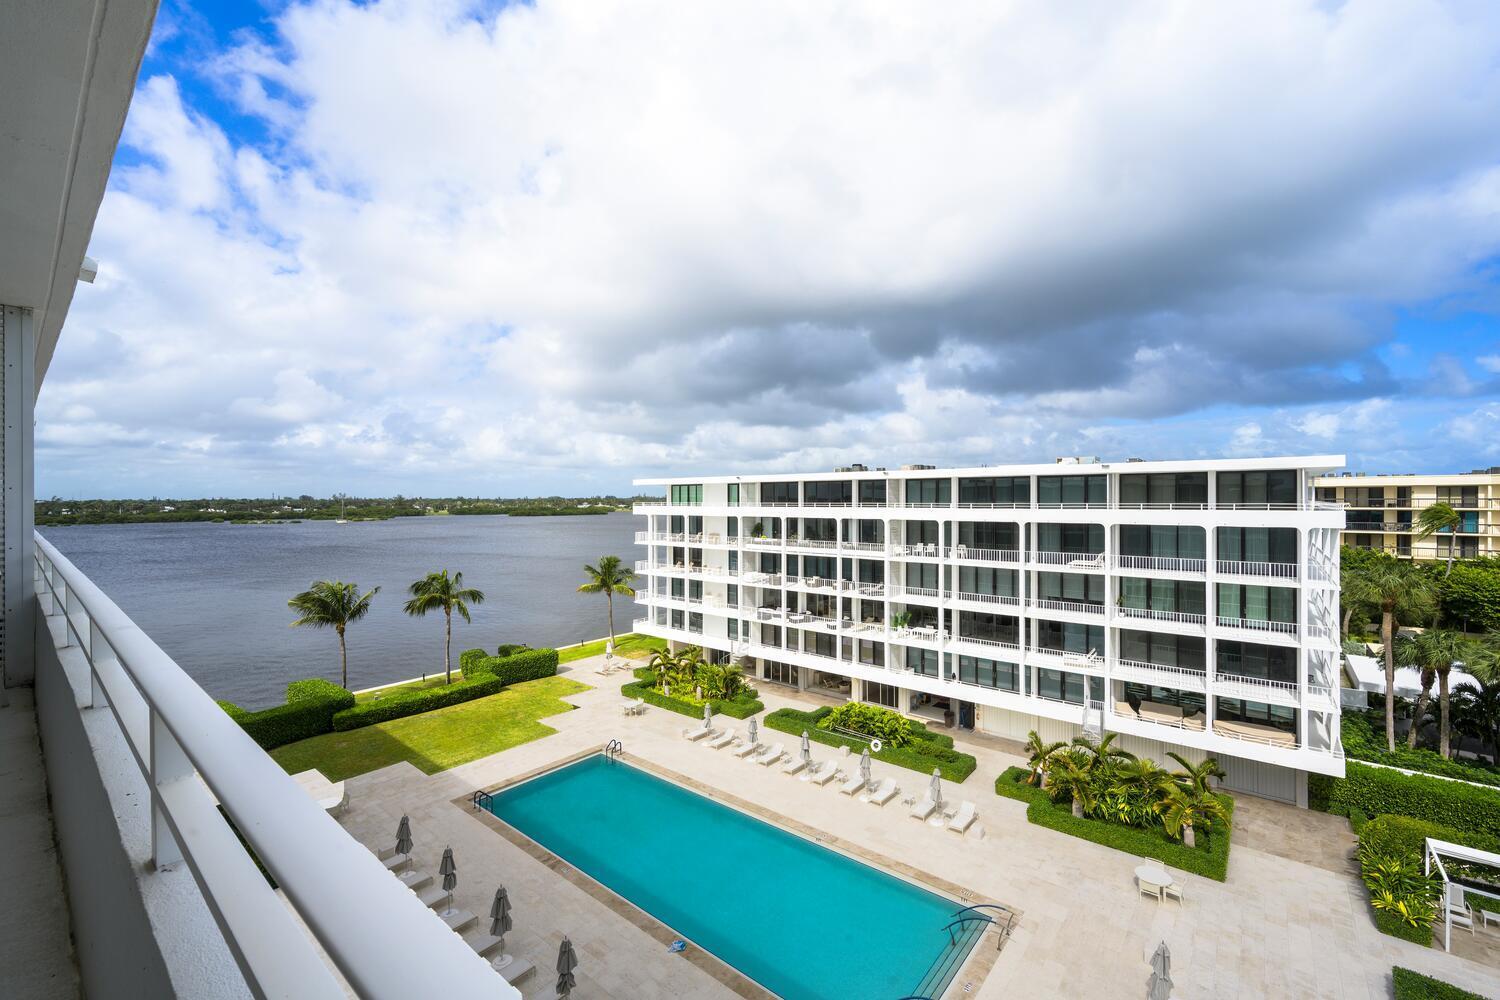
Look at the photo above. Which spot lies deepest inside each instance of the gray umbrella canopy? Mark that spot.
(806, 746)
(864, 765)
(500, 913)
(1159, 988)
(708, 714)
(936, 791)
(448, 870)
(403, 836)
(566, 963)
(754, 730)
(1161, 961)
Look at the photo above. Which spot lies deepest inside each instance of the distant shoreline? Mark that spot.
(205, 517)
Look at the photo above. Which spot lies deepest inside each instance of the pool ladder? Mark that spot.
(482, 800)
(613, 749)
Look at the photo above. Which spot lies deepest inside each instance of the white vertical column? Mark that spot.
(17, 643)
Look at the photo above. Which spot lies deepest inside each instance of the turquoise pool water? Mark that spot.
(805, 922)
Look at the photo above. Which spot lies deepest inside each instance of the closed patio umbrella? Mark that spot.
(1159, 987)
(754, 730)
(566, 963)
(500, 923)
(1161, 961)
(864, 765)
(449, 871)
(708, 714)
(936, 791)
(806, 746)
(403, 836)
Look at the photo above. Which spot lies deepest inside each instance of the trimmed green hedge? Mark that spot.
(1379, 791)
(309, 710)
(1411, 985)
(483, 676)
(1404, 835)
(1388, 923)
(927, 750)
(741, 706)
(1210, 858)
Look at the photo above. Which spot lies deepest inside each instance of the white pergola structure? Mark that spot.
(1435, 852)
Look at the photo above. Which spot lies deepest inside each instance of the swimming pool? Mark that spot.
(803, 921)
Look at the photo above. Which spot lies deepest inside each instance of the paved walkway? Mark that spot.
(1289, 922)
(36, 938)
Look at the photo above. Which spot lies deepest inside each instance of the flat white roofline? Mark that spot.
(1309, 463)
(1408, 479)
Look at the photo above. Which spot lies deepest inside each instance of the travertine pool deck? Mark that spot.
(1290, 921)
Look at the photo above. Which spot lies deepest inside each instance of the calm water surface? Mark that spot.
(214, 595)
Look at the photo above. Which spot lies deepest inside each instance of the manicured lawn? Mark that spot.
(632, 644)
(436, 741)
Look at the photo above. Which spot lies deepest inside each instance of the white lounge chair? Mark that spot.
(824, 773)
(1459, 910)
(962, 819)
(770, 756)
(884, 792)
(923, 808)
(746, 749)
(853, 785)
(794, 766)
(720, 742)
(696, 733)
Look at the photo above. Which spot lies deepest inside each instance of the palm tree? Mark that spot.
(439, 590)
(1195, 776)
(1439, 649)
(1398, 589)
(1439, 517)
(1476, 713)
(1038, 753)
(1189, 808)
(611, 577)
(663, 664)
(1409, 655)
(333, 604)
(1070, 773)
(1102, 756)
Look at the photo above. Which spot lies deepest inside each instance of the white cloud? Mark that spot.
(496, 251)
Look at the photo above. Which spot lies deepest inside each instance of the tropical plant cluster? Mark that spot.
(684, 682)
(925, 750)
(1380, 791)
(1409, 985)
(308, 711)
(1405, 900)
(1099, 780)
(1210, 858)
(870, 720)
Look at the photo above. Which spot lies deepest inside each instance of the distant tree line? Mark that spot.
(57, 511)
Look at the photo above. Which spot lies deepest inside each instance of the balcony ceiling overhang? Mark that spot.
(67, 72)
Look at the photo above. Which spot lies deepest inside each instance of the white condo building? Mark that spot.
(1187, 606)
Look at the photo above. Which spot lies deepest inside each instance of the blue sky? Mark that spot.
(446, 247)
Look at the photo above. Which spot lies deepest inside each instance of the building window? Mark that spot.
(988, 673)
(984, 580)
(1083, 588)
(1069, 637)
(1000, 490)
(989, 534)
(1252, 602)
(881, 694)
(1164, 489)
(1274, 716)
(1059, 685)
(838, 491)
(872, 491)
(687, 493)
(1072, 491)
(929, 491)
(922, 661)
(1275, 488)
(1181, 596)
(1169, 541)
(1262, 545)
(778, 493)
(1162, 649)
(733, 492)
(780, 673)
(1250, 659)
(871, 652)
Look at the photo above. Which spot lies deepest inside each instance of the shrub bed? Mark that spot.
(1378, 792)
(1363, 740)
(1210, 858)
(1411, 985)
(309, 711)
(743, 705)
(924, 750)
(483, 676)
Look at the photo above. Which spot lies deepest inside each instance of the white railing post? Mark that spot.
(168, 764)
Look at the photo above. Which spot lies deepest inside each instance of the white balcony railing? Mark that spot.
(1072, 607)
(918, 550)
(195, 759)
(975, 554)
(900, 590)
(1258, 625)
(1072, 560)
(1001, 599)
(1261, 689)
(1182, 678)
(865, 546)
(1160, 564)
(1180, 617)
(1281, 571)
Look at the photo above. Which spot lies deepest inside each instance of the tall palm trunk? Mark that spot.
(1387, 637)
(448, 644)
(609, 597)
(1423, 700)
(1443, 718)
(1452, 537)
(1348, 617)
(343, 661)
